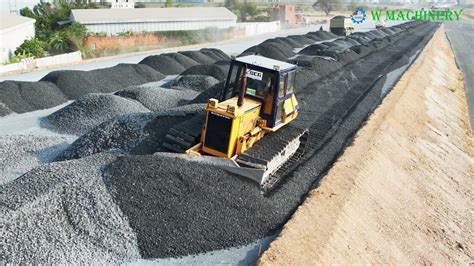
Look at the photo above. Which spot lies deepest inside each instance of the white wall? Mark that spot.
(255, 28)
(114, 28)
(13, 37)
(30, 63)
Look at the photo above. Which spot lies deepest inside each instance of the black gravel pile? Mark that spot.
(199, 57)
(163, 64)
(206, 70)
(89, 111)
(302, 39)
(157, 98)
(216, 54)
(183, 60)
(292, 43)
(22, 96)
(139, 133)
(282, 43)
(324, 35)
(212, 92)
(270, 50)
(74, 83)
(195, 82)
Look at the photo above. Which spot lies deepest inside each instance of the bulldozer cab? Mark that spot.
(268, 81)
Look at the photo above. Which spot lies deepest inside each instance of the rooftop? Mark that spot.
(118, 15)
(9, 20)
(265, 62)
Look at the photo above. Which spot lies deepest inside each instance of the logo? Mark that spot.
(254, 74)
(359, 15)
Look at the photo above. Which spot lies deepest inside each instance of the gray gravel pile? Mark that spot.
(163, 64)
(62, 213)
(197, 83)
(216, 54)
(75, 83)
(22, 96)
(157, 98)
(21, 153)
(199, 57)
(183, 60)
(141, 133)
(212, 92)
(206, 70)
(89, 111)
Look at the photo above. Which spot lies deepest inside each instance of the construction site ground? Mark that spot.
(402, 192)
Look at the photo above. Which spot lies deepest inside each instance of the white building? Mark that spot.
(122, 4)
(113, 21)
(14, 30)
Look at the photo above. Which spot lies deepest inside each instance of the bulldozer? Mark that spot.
(246, 132)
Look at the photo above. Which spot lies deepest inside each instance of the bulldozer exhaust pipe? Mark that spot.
(243, 87)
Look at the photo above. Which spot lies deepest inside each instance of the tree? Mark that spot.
(169, 3)
(35, 47)
(247, 11)
(326, 5)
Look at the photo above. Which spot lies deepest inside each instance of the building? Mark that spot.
(285, 14)
(14, 30)
(122, 4)
(113, 21)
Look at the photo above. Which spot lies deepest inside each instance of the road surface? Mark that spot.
(461, 37)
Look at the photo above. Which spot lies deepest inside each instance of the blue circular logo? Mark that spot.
(359, 15)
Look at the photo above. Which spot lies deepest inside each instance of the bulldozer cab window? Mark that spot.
(259, 84)
(281, 89)
(290, 83)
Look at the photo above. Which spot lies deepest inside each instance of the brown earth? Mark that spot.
(402, 192)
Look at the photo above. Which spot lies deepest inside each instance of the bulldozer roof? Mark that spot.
(267, 63)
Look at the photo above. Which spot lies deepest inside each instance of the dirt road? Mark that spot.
(402, 193)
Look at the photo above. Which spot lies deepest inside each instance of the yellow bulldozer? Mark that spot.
(246, 129)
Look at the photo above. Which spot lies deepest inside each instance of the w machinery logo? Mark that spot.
(359, 16)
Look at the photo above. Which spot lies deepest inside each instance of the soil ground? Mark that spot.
(402, 192)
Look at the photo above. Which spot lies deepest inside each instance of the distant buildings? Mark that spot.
(286, 14)
(122, 4)
(113, 21)
(14, 30)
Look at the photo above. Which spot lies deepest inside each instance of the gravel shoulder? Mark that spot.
(402, 192)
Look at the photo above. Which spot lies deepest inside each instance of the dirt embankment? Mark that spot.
(402, 193)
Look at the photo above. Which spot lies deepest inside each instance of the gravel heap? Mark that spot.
(139, 133)
(195, 82)
(183, 60)
(206, 70)
(199, 57)
(156, 98)
(22, 96)
(62, 213)
(163, 64)
(21, 153)
(89, 111)
(74, 83)
(212, 92)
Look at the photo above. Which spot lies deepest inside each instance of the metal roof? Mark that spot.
(124, 15)
(9, 20)
(265, 62)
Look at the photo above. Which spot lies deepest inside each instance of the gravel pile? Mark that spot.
(22, 96)
(89, 111)
(21, 153)
(213, 92)
(140, 133)
(156, 98)
(163, 64)
(73, 83)
(195, 82)
(183, 60)
(199, 57)
(216, 54)
(62, 213)
(206, 70)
